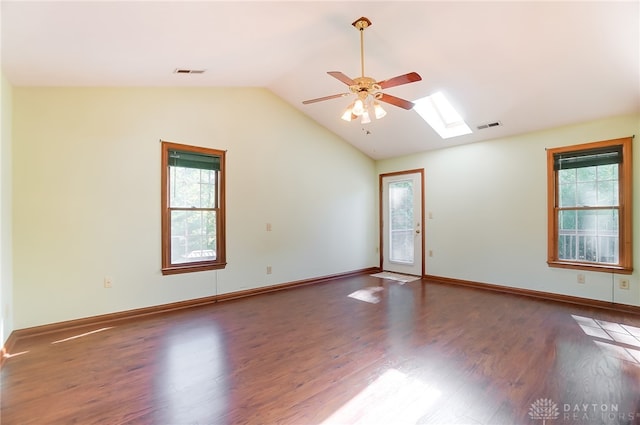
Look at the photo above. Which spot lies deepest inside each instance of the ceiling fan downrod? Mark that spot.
(361, 24)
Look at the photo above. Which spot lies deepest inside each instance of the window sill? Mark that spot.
(191, 268)
(591, 267)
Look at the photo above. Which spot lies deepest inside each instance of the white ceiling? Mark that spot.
(531, 65)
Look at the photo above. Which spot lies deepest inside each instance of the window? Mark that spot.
(441, 116)
(193, 236)
(589, 206)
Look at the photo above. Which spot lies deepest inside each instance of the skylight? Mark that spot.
(441, 116)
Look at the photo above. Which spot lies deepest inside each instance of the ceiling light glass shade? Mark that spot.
(378, 110)
(358, 107)
(347, 115)
(365, 117)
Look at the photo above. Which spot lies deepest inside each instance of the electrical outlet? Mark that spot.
(624, 283)
(108, 282)
(580, 278)
(268, 269)
(430, 253)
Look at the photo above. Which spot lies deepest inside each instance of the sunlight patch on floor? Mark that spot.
(81, 335)
(9, 355)
(402, 278)
(615, 339)
(368, 295)
(622, 353)
(393, 398)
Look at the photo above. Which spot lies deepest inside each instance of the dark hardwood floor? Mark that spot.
(424, 353)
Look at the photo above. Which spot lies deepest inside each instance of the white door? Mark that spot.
(402, 223)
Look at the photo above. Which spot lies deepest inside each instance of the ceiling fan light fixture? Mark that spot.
(358, 107)
(348, 115)
(367, 89)
(378, 110)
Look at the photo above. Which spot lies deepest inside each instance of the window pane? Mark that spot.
(589, 235)
(567, 247)
(401, 247)
(193, 236)
(589, 186)
(586, 248)
(607, 193)
(567, 196)
(608, 172)
(608, 250)
(586, 174)
(567, 220)
(567, 176)
(192, 188)
(587, 221)
(608, 222)
(586, 194)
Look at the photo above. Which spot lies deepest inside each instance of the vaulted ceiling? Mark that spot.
(529, 65)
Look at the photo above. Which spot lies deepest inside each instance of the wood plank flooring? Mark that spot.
(414, 353)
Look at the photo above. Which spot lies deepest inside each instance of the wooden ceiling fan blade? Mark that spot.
(340, 76)
(396, 101)
(320, 99)
(411, 77)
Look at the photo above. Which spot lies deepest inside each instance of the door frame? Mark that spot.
(381, 230)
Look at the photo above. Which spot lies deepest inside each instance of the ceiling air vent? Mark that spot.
(188, 71)
(489, 125)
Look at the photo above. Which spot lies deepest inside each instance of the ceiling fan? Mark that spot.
(368, 90)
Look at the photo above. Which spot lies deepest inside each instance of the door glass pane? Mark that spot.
(401, 248)
(193, 236)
